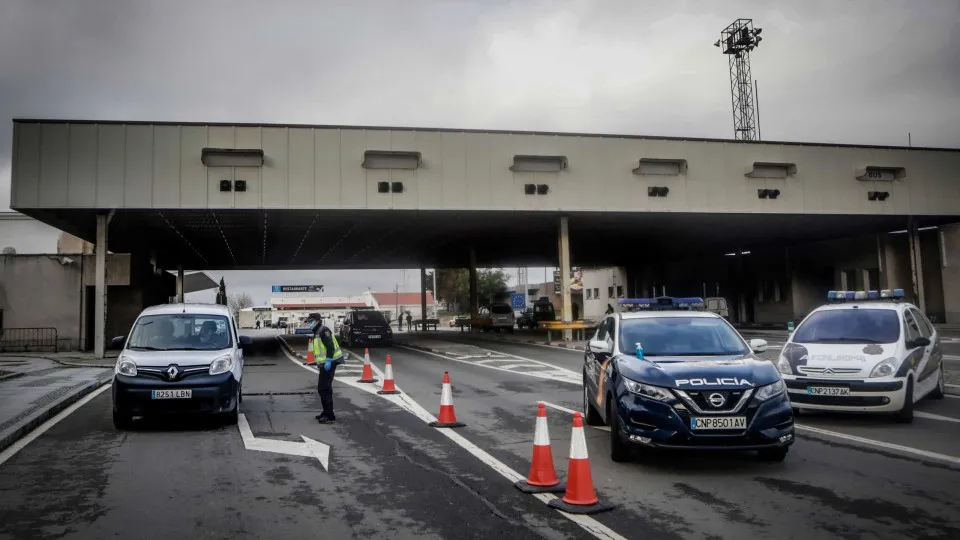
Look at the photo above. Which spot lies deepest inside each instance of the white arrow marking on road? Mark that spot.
(932, 416)
(308, 448)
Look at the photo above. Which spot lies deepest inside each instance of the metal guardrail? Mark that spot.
(28, 339)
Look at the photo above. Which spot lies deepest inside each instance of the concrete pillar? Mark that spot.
(916, 266)
(180, 284)
(567, 308)
(473, 283)
(100, 293)
(423, 297)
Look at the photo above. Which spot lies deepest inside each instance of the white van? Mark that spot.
(179, 358)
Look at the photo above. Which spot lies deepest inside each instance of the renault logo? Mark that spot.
(716, 399)
(172, 372)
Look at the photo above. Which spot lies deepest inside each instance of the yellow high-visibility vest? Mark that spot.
(320, 350)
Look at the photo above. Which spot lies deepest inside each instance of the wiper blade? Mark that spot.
(146, 348)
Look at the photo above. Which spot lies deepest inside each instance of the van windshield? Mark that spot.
(860, 325)
(181, 332)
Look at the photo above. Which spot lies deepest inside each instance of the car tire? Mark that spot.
(510, 330)
(905, 414)
(590, 414)
(797, 412)
(773, 454)
(940, 389)
(240, 394)
(122, 420)
(619, 451)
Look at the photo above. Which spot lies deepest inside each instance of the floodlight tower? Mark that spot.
(737, 41)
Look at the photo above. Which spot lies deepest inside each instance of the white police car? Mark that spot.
(864, 351)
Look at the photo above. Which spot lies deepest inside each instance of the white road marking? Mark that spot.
(29, 438)
(932, 416)
(880, 444)
(587, 523)
(951, 358)
(558, 407)
(952, 396)
(308, 448)
(948, 385)
(555, 373)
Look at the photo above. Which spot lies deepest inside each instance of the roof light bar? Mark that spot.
(844, 296)
(662, 303)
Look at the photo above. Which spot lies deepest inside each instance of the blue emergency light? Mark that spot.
(844, 296)
(662, 303)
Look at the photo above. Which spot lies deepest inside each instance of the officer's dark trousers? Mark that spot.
(325, 389)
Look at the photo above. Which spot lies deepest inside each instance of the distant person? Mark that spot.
(400, 322)
(609, 309)
(409, 322)
(326, 349)
(258, 324)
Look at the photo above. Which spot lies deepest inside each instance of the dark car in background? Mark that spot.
(365, 327)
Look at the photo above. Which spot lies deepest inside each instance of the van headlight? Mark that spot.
(783, 366)
(885, 368)
(221, 365)
(127, 367)
(645, 390)
(771, 390)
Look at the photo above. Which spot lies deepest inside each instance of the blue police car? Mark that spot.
(665, 373)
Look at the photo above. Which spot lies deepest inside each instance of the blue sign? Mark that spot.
(518, 301)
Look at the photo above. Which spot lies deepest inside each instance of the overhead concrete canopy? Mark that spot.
(216, 196)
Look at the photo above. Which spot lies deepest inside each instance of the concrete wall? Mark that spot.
(950, 272)
(113, 165)
(40, 291)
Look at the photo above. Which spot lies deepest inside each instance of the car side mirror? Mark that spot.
(599, 347)
(245, 341)
(919, 342)
(758, 345)
(118, 342)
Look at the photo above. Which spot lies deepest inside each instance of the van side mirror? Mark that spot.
(758, 345)
(117, 343)
(245, 341)
(919, 342)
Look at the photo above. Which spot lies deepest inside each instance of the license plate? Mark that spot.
(722, 422)
(173, 394)
(828, 391)
(374, 336)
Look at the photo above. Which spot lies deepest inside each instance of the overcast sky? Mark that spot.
(851, 71)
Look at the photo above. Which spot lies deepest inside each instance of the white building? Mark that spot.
(602, 287)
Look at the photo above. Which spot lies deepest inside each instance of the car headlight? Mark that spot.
(885, 368)
(770, 390)
(783, 365)
(645, 390)
(221, 365)
(127, 367)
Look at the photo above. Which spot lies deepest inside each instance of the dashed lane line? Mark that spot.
(931, 416)
(29, 438)
(881, 444)
(587, 523)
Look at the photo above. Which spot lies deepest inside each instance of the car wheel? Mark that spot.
(122, 420)
(940, 389)
(619, 451)
(590, 414)
(510, 330)
(240, 394)
(773, 454)
(797, 412)
(905, 414)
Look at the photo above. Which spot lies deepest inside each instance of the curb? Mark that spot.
(39, 417)
(75, 364)
(13, 375)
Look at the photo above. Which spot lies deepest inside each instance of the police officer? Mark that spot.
(326, 350)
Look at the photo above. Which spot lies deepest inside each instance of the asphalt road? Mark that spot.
(392, 476)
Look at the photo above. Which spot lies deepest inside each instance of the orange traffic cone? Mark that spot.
(581, 497)
(367, 375)
(310, 359)
(447, 418)
(388, 386)
(543, 476)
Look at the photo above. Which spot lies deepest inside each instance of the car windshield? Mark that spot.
(854, 325)
(181, 332)
(501, 309)
(369, 317)
(680, 336)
